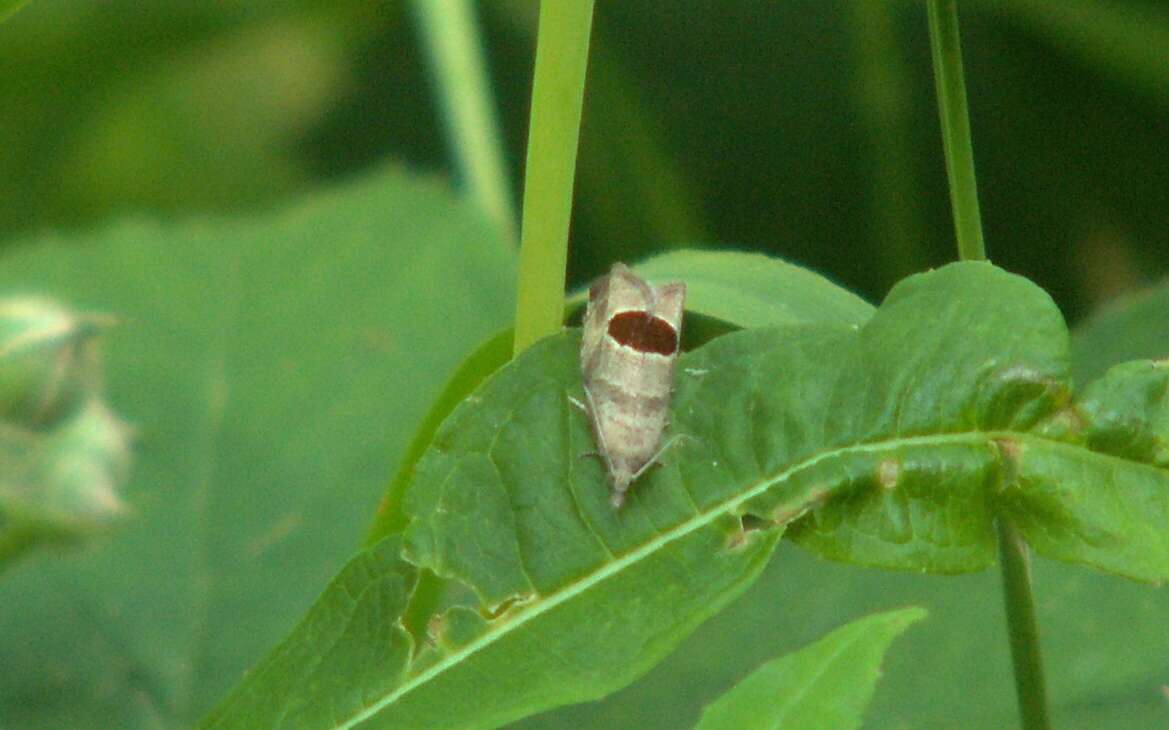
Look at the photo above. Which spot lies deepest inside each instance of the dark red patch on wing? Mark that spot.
(644, 333)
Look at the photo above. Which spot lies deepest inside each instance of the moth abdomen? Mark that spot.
(628, 351)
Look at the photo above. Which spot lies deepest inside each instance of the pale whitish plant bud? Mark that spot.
(47, 360)
(63, 483)
(63, 453)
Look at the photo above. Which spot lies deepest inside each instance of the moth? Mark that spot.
(627, 357)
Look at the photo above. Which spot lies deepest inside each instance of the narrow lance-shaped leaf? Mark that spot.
(893, 441)
(824, 686)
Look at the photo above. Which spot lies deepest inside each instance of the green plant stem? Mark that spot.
(955, 119)
(1022, 627)
(883, 103)
(562, 49)
(450, 35)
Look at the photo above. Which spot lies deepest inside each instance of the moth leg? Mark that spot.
(578, 404)
(602, 449)
(584, 409)
(655, 460)
(587, 410)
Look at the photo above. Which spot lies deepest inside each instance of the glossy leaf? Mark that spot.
(935, 375)
(587, 624)
(890, 436)
(740, 289)
(752, 290)
(823, 686)
(272, 370)
(1108, 507)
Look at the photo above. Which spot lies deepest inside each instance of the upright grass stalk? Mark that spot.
(562, 49)
(883, 103)
(1014, 559)
(951, 89)
(451, 37)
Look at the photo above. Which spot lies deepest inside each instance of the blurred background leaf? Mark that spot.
(274, 370)
(806, 129)
(1132, 327)
(823, 686)
(1104, 647)
(8, 7)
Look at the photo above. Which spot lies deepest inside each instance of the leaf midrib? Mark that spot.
(539, 607)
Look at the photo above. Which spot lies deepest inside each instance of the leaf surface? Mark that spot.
(1104, 645)
(739, 289)
(752, 290)
(554, 597)
(826, 685)
(273, 370)
(8, 7)
(1134, 327)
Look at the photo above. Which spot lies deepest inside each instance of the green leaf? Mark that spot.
(1107, 508)
(738, 288)
(1135, 326)
(593, 624)
(1104, 647)
(491, 355)
(62, 484)
(1126, 412)
(752, 290)
(954, 360)
(8, 7)
(890, 437)
(273, 371)
(826, 685)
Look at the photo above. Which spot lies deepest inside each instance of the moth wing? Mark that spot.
(669, 303)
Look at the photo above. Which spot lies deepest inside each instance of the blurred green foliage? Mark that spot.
(806, 129)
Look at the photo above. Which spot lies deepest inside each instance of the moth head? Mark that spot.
(634, 313)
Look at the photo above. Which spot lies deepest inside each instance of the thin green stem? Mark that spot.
(450, 35)
(955, 118)
(562, 50)
(1022, 628)
(883, 100)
